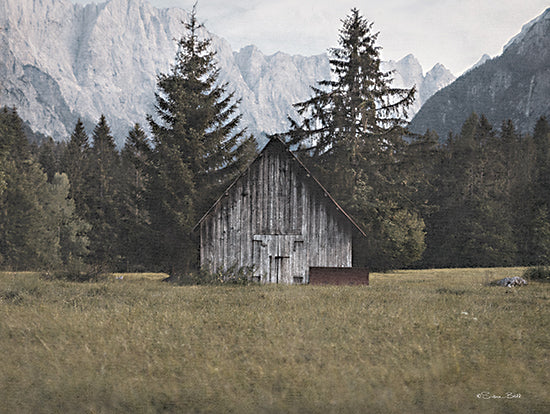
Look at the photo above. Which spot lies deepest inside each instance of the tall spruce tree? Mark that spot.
(101, 197)
(351, 135)
(74, 163)
(21, 216)
(198, 147)
(49, 154)
(134, 224)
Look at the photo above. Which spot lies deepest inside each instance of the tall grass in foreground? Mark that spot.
(414, 342)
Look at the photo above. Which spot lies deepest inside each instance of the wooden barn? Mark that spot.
(277, 218)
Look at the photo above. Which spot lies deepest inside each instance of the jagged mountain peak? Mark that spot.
(527, 28)
(409, 59)
(410, 64)
(514, 85)
(407, 72)
(60, 61)
(438, 68)
(481, 61)
(249, 50)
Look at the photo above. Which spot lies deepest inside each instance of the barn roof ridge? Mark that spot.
(276, 140)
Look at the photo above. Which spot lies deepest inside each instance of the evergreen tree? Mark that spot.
(198, 148)
(23, 234)
(14, 144)
(38, 228)
(49, 154)
(67, 233)
(19, 208)
(74, 162)
(541, 141)
(536, 199)
(102, 196)
(351, 136)
(473, 225)
(134, 225)
(421, 159)
(511, 150)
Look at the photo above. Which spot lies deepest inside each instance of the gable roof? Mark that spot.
(276, 141)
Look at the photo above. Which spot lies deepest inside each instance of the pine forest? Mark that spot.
(479, 198)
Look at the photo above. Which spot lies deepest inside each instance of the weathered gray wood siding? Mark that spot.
(276, 218)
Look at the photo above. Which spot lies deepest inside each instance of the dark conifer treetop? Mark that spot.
(196, 113)
(351, 136)
(358, 105)
(198, 146)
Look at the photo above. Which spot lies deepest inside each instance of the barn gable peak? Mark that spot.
(276, 145)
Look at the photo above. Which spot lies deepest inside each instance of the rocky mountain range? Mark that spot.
(60, 61)
(514, 85)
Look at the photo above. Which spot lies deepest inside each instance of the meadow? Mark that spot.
(433, 341)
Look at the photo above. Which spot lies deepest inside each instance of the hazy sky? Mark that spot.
(455, 33)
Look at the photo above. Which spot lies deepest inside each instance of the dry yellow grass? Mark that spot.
(413, 341)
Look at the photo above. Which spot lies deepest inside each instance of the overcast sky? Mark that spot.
(455, 33)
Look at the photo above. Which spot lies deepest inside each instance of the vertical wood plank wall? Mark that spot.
(277, 219)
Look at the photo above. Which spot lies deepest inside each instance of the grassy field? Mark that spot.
(437, 341)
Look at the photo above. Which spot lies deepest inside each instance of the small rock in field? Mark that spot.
(511, 281)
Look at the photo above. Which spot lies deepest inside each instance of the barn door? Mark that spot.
(275, 257)
(278, 269)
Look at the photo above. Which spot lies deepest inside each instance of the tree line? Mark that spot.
(132, 208)
(477, 198)
(490, 189)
